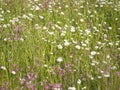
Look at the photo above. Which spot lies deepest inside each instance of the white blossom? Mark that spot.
(3, 68)
(13, 72)
(71, 88)
(93, 53)
(60, 46)
(77, 47)
(59, 59)
(79, 81)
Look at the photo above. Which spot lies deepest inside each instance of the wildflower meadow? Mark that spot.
(59, 45)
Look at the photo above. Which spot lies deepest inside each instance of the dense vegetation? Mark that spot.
(59, 45)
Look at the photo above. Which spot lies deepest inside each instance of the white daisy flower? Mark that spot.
(59, 59)
(93, 53)
(3, 68)
(13, 72)
(77, 47)
(71, 88)
(60, 46)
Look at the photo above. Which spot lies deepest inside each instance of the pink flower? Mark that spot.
(53, 87)
(57, 86)
(118, 73)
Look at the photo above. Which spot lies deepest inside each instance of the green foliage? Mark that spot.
(71, 42)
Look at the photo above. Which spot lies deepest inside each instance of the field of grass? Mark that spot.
(59, 45)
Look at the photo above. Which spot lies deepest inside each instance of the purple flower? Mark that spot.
(118, 73)
(29, 76)
(47, 87)
(2, 88)
(53, 87)
(57, 86)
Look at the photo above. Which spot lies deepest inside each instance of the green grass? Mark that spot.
(32, 31)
